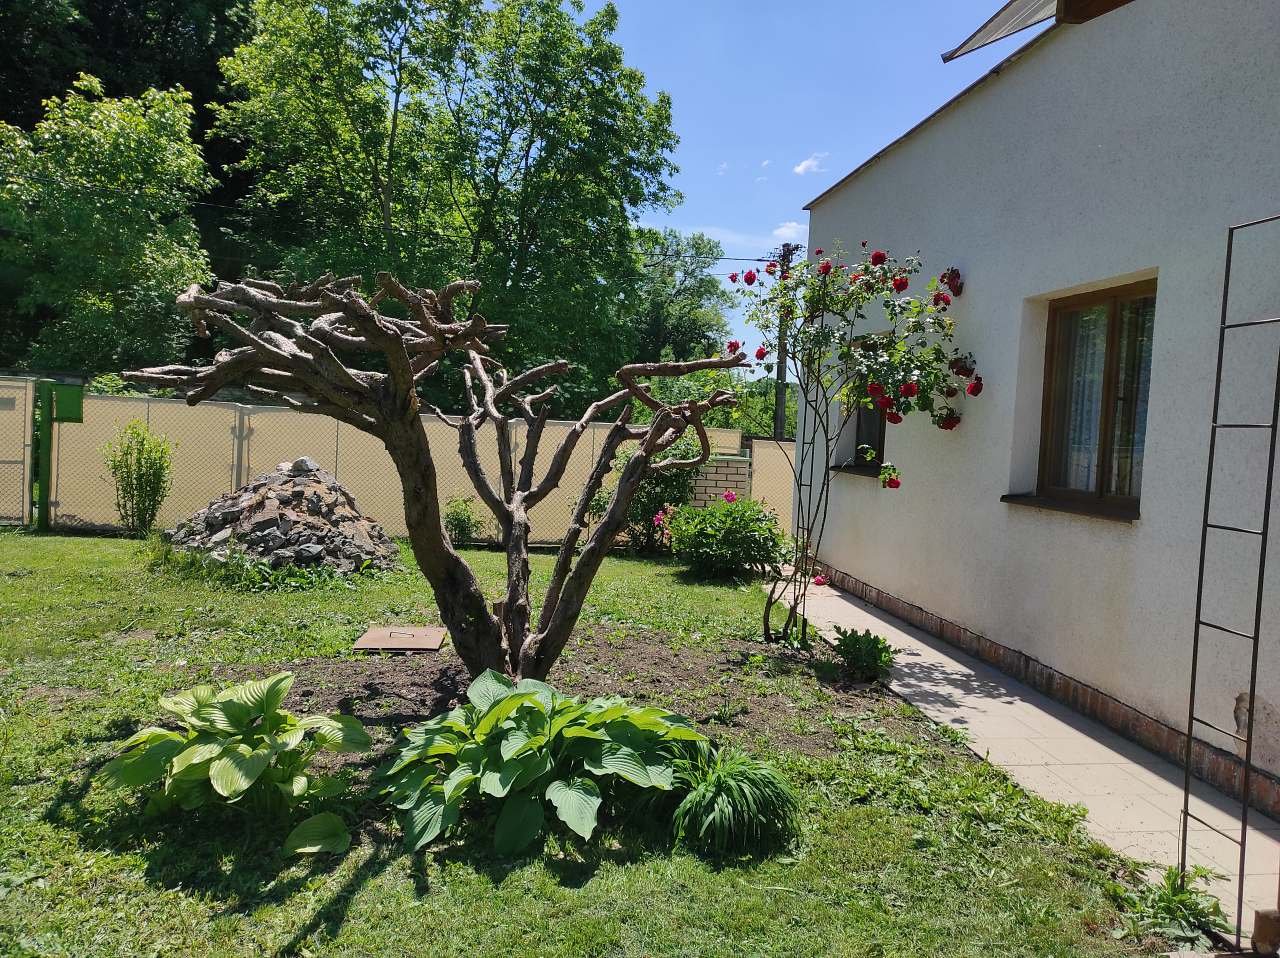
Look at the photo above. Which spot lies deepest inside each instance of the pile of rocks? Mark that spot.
(297, 515)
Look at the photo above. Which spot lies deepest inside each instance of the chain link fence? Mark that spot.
(15, 450)
(220, 446)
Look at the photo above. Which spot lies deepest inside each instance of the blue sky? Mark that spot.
(774, 102)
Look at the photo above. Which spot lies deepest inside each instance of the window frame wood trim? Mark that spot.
(1079, 500)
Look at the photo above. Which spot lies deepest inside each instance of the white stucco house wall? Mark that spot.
(1102, 154)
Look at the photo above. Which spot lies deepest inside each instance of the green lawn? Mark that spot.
(911, 846)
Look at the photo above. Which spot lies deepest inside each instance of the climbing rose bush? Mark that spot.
(858, 331)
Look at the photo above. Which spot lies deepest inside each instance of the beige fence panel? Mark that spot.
(205, 452)
(725, 442)
(16, 395)
(279, 435)
(82, 494)
(772, 479)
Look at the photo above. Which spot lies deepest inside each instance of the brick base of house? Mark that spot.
(1219, 768)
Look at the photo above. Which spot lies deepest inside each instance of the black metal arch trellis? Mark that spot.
(1254, 637)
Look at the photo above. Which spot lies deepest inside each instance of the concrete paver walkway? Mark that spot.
(1134, 797)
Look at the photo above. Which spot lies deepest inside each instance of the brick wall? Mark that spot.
(1219, 768)
(721, 473)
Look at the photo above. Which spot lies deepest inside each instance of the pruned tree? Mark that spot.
(288, 344)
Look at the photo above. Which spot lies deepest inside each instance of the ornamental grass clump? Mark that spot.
(734, 804)
(238, 747)
(530, 755)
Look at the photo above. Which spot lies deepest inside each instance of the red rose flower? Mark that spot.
(951, 279)
(785, 275)
(974, 388)
(950, 392)
(733, 277)
(819, 251)
(900, 284)
(961, 367)
(761, 352)
(749, 277)
(824, 267)
(893, 417)
(733, 346)
(875, 389)
(771, 267)
(893, 482)
(819, 579)
(909, 389)
(855, 279)
(879, 257)
(885, 402)
(950, 422)
(941, 299)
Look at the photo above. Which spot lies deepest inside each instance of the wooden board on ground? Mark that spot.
(402, 638)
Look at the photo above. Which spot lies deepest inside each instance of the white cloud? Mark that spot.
(765, 163)
(790, 231)
(722, 169)
(761, 179)
(812, 165)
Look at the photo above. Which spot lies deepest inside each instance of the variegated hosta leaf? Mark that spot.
(261, 696)
(184, 703)
(337, 733)
(233, 772)
(489, 687)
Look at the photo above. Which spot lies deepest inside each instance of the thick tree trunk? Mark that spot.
(475, 632)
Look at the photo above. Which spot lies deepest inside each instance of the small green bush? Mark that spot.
(524, 747)
(1174, 908)
(141, 467)
(461, 522)
(729, 540)
(864, 655)
(734, 803)
(238, 747)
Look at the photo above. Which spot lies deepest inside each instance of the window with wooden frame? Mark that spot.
(863, 433)
(1096, 381)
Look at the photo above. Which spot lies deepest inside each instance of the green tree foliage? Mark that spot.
(94, 210)
(679, 304)
(753, 414)
(504, 140)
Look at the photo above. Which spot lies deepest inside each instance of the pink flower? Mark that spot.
(659, 518)
(819, 579)
(761, 352)
(729, 496)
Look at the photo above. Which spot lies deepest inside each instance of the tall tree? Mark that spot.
(505, 139)
(94, 210)
(679, 304)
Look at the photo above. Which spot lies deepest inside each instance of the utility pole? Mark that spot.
(785, 255)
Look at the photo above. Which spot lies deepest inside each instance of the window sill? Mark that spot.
(868, 472)
(1091, 510)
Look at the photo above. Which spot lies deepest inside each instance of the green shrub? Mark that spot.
(525, 746)
(238, 747)
(735, 804)
(461, 522)
(655, 495)
(1173, 908)
(864, 655)
(141, 466)
(729, 540)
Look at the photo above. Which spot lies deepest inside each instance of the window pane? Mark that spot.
(1133, 380)
(870, 432)
(1080, 358)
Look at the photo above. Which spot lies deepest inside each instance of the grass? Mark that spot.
(910, 845)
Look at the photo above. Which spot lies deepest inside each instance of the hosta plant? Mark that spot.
(534, 754)
(238, 747)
